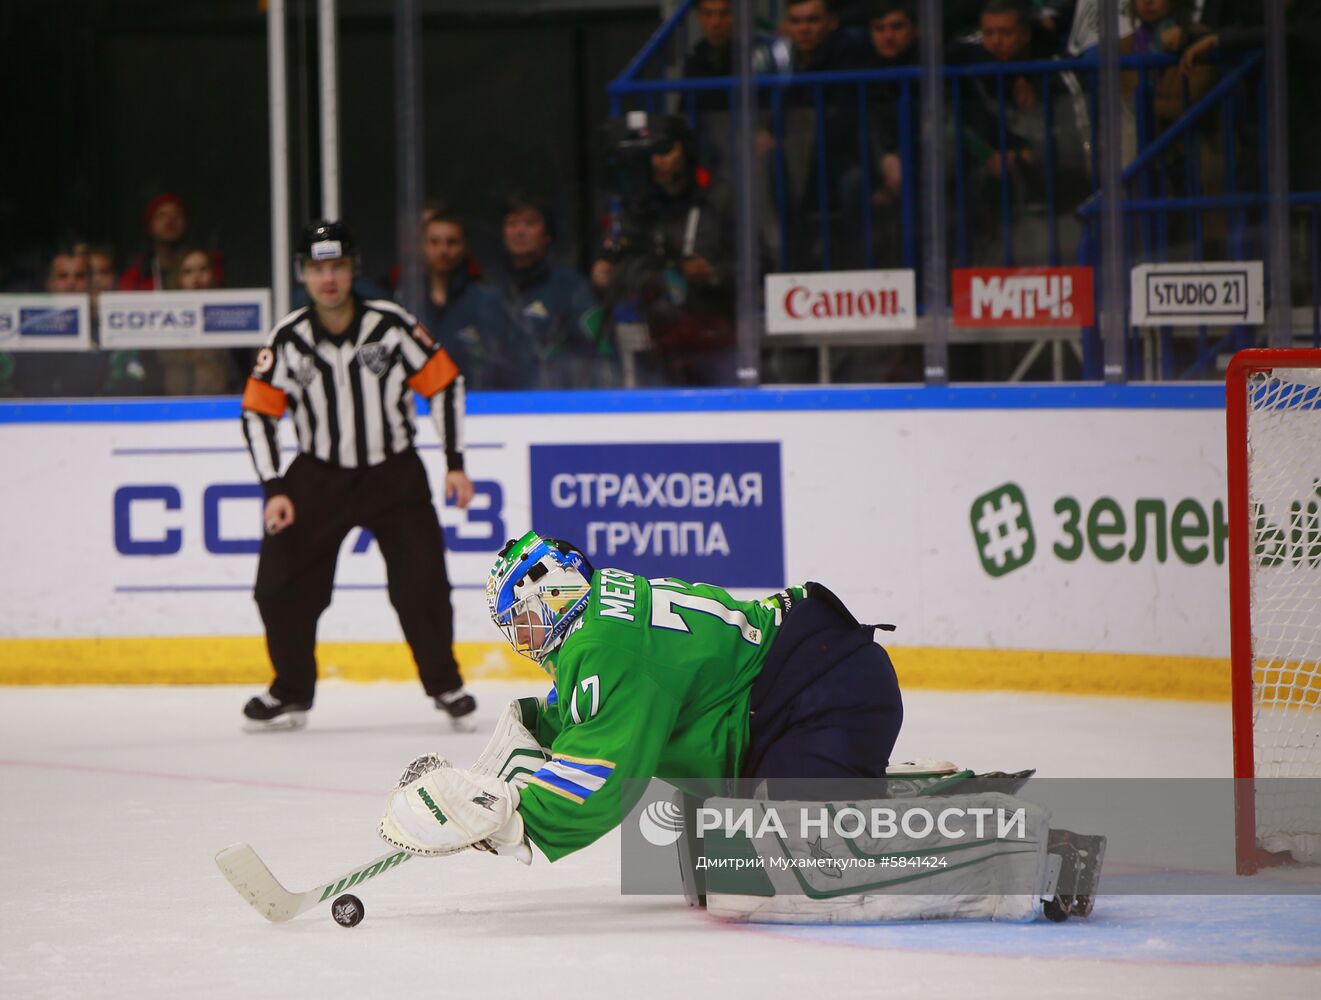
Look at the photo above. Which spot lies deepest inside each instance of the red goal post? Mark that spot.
(1273, 425)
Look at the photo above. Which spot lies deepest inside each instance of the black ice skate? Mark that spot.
(458, 705)
(264, 713)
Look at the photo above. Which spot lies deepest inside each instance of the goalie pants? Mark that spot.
(826, 704)
(296, 569)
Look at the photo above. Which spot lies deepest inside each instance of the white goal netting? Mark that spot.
(1284, 504)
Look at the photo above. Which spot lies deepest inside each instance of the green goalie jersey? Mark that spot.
(653, 680)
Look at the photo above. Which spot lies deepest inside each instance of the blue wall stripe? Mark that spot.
(1063, 396)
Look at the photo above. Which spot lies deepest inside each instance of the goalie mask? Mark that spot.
(536, 590)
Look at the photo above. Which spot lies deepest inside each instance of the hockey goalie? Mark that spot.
(749, 707)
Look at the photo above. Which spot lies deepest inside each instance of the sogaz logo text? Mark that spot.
(230, 317)
(152, 319)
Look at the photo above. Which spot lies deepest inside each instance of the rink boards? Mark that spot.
(1058, 538)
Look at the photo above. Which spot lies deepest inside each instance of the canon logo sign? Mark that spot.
(832, 301)
(801, 302)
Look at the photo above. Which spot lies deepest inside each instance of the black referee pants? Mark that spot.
(296, 569)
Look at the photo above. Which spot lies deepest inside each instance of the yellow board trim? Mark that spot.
(242, 660)
(1125, 675)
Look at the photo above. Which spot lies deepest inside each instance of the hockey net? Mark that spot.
(1273, 400)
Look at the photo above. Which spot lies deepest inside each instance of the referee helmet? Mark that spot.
(325, 239)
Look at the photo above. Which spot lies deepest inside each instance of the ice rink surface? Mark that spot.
(117, 799)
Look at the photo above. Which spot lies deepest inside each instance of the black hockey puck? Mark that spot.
(348, 910)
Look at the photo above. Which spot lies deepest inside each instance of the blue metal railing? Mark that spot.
(1169, 216)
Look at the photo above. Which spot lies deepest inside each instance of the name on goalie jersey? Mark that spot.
(618, 594)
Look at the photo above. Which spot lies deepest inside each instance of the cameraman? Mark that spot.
(668, 251)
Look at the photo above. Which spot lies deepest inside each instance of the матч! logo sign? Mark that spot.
(1003, 530)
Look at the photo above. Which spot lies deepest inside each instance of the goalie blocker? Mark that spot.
(922, 853)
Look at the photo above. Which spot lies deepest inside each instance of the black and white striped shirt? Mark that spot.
(350, 396)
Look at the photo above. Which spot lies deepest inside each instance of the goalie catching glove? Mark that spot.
(481, 804)
(447, 810)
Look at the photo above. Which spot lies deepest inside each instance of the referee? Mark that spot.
(345, 369)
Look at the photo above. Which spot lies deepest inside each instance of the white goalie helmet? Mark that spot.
(535, 591)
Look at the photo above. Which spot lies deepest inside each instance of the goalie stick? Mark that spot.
(252, 880)
(505, 757)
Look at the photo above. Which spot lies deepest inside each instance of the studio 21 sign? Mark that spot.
(1212, 294)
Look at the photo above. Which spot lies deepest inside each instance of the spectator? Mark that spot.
(962, 17)
(1239, 25)
(461, 310)
(100, 270)
(1161, 27)
(157, 268)
(673, 260)
(713, 56)
(555, 318)
(892, 32)
(128, 371)
(197, 371)
(1010, 34)
(1157, 97)
(62, 373)
(68, 271)
(100, 276)
(196, 272)
(816, 44)
(816, 47)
